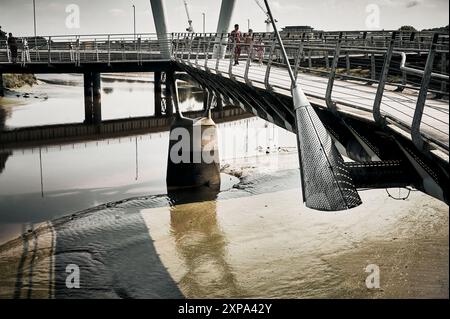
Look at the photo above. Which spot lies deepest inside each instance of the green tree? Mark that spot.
(409, 28)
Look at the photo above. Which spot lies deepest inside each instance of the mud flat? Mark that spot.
(255, 240)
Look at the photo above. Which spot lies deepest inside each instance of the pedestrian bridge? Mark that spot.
(380, 99)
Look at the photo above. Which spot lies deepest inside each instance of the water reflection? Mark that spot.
(201, 244)
(59, 99)
(3, 158)
(187, 92)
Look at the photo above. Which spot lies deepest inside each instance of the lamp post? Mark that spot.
(134, 22)
(204, 19)
(34, 23)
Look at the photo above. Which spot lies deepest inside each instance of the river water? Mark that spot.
(103, 206)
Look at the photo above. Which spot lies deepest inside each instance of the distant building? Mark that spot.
(297, 29)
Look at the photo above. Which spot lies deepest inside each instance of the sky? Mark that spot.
(116, 16)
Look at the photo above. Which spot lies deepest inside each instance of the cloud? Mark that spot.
(116, 12)
(412, 3)
(58, 6)
(402, 3)
(277, 6)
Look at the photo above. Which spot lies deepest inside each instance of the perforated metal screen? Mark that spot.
(327, 184)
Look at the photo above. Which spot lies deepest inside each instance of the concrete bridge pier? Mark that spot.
(96, 98)
(193, 159)
(92, 98)
(88, 99)
(170, 93)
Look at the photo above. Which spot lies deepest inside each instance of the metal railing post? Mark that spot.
(191, 40)
(327, 61)
(139, 42)
(177, 47)
(78, 55)
(219, 55)
(122, 46)
(96, 49)
(383, 78)
(443, 71)
(247, 66)
(198, 50)
(22, 55)
(109, 50)
(49, 50)
(171, 45)
(298, 59)
(373, 75)
(269, 65)
(332, 106)
(207, 53)
(232, 57)
(418, 113)
(310, 59)
(347, 62)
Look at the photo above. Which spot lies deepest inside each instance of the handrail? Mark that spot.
(419, 72)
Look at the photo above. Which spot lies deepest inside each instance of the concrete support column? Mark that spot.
(223, 26)
(158, 92)
(88, 102)
(96, 98)
(159, 17)
(193, 157)
(2, 92)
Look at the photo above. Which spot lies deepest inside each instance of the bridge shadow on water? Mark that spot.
(113, 247)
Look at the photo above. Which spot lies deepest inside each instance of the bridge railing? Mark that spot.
(79, 49)
(369, 75)
(380, 72)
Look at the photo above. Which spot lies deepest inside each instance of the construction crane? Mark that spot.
(190, 28)
(268, 22)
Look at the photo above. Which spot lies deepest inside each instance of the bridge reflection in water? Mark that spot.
(201, 244)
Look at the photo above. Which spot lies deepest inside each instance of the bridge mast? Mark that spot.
(159, 17)
(223, 26)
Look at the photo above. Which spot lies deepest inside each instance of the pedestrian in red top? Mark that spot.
(236, 38)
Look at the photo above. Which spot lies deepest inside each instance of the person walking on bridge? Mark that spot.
(248, 43)
(235, 38)
(12, 44)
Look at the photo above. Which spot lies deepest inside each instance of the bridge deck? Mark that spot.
(353, 97)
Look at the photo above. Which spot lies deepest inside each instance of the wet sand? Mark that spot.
(268, 246)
